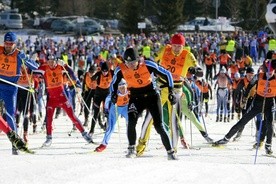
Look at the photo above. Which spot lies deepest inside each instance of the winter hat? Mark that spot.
(122, 82)
(237, 75)
(250, 70)
(92, 68)
(104, 67)
(130, 55)
(10, 37)
(178, 39)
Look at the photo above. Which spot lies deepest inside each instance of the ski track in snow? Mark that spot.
(71, 160)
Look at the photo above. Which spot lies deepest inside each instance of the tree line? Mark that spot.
(167, 13)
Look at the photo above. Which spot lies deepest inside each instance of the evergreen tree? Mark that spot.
(40, 6)
(130, 15)
(169, 13)
(247, 14)
(107, 9)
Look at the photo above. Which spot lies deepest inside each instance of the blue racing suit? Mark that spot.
(114, 111)
(8, 92)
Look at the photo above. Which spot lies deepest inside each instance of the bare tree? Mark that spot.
(234, 8)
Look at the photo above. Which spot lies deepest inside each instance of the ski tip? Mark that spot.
(270, 155)
(216, 145)
(195, 148)
(26, 150)
(31, 152)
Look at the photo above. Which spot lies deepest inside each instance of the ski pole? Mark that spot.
(28, 78)
(261, 123)
(191, 133)
(16, 85)
(118, 124)
(180, 126)
(201, 104)
(79, 96)
(258, 141)
(203, 120)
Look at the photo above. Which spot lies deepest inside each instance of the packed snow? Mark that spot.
(71, 160)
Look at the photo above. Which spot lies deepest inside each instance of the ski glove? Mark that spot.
(197, 71)
(114, 98)
(172, 97)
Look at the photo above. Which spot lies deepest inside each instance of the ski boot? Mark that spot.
(209, 140)
(100, 148)
(131, 151)
(224, 120)
(172, 155)
(217, 119)
(220, 118)
(206, 137)
(87, 137)
(140, 148)
(221, 142)
(268, 149)
(18, 143)
(232, 117)
(256, 145)
(228, 118)
(48, 141)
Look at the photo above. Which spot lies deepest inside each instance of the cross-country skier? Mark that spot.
(11, 61)
(262, 103)
(121, 108)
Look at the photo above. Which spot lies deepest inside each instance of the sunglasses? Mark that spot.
(9, 43)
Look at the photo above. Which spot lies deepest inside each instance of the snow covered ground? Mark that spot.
(71, 160)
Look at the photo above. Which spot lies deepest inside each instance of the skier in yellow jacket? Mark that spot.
(176, 60)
